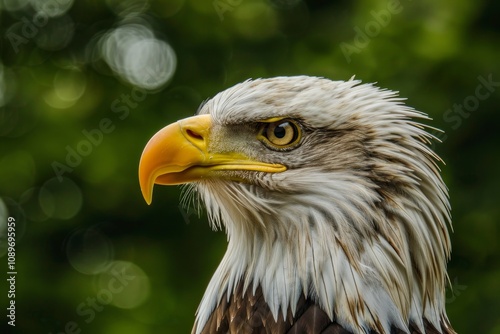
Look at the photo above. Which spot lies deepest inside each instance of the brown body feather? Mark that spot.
(248, 313)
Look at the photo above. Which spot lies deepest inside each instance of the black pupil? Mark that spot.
(280, 131)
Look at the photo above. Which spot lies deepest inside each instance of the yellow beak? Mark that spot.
(178, 154)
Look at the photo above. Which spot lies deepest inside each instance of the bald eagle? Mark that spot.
(332, 201)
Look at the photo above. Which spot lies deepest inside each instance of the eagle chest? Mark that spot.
(245, 312)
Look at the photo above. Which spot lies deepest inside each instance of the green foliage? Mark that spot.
(74, 108)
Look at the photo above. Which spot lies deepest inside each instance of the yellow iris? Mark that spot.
(281, 134)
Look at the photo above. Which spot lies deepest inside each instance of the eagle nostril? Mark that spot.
(193, 134)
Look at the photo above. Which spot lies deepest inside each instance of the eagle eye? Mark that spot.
(280, 134)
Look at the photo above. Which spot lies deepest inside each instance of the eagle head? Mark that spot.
(331, 200)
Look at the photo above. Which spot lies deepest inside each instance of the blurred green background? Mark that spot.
(84, 85)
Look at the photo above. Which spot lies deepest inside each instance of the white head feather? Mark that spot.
(358, 220)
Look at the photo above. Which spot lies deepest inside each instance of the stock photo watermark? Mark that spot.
(121, 108)
(364, 35)
(471, 103)
(454, 291)
(28, 28)
(223, 6)
(186, 213)
(459, 111)
(88, 309)
(11, 270)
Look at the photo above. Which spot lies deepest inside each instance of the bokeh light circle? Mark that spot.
(14, 5)
(128, 7)
(51, 8)
(89, 251)
(150, 63)
(134, 53)
(56, 34)
(61, 199)
(127, 284)
(69, 85)
(31, 205)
